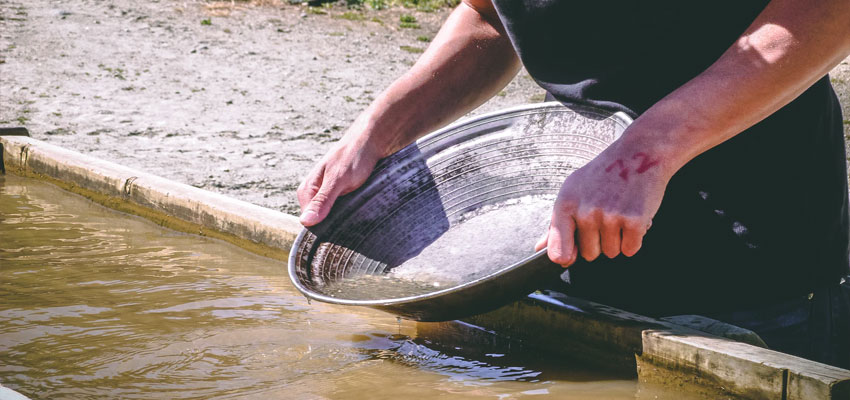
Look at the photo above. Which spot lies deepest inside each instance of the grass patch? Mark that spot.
(537, 98)
(408, 21)
(377, 4)
(411, 49)
(425, 39)
(316, 10)
(421, 5)
(351, 16)
(116, 72)
(206, 22)
(427, 5)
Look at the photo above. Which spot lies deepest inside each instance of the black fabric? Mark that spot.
(755, 220)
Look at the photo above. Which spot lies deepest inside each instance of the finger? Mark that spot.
(633, 232)
(320, 205)
(610, 236)
(573, 256)
(309, 187)
(561, 246)
(588, 235)
(541, 243)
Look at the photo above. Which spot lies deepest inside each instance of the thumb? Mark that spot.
(541, 243)
(319, 206)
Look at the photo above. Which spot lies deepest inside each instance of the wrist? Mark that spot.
(368, 135)
(648, 155)
(667, 132)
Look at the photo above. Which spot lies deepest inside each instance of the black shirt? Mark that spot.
(759, 218)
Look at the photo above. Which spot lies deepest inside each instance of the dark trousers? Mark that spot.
(815, 327)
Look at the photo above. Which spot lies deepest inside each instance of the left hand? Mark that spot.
(606, 206)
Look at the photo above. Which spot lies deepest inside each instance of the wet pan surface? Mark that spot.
(446, 227)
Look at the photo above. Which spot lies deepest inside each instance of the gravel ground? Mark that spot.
(239, 98)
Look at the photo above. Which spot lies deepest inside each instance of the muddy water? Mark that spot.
(96, 304)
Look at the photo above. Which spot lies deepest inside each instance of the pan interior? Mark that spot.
(479, 243)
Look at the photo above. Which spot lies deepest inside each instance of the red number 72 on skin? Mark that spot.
(645, 164)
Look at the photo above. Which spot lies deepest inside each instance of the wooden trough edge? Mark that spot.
(657, 348)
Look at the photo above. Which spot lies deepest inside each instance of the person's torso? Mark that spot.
(761, 216)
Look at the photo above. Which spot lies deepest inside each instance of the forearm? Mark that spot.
(468, 62)
(788, 47)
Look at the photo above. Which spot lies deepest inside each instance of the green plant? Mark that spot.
(411, 49)
(423, 39)
(408, 21)
(536, 98)
(351, 16)
(429, 5)
(377, 4)
(207, 21)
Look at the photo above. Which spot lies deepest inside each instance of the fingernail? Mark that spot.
(309, 216)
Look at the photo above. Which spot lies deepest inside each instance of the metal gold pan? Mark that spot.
(462, 206)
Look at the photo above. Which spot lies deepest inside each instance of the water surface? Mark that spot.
(95, 304)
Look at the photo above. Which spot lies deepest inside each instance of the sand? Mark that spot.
(244, 105)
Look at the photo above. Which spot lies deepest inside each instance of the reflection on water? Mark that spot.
(96, 304)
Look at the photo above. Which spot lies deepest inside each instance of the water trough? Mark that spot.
(656, 350)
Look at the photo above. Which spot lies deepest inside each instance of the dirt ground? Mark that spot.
(239, 98)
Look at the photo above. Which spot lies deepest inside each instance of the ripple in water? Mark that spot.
(95, 304)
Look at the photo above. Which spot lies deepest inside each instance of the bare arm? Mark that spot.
(607, 206)
(468, 62)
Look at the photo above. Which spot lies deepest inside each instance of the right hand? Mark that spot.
(340, 171)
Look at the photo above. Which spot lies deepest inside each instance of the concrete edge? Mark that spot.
(662, 352)
(745, 369)
(544, 320)
(108, 183)
(572, 328)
